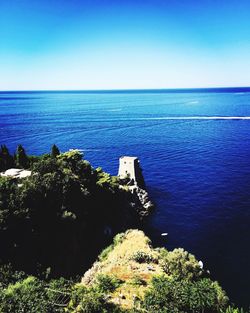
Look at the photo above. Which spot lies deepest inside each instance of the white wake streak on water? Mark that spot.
(197, 118)
(114, 110)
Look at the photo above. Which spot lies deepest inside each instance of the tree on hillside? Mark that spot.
(54, 151)
(22, 159)
(6, 160)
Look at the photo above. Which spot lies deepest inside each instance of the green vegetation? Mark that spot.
(155, 280)
(143, 257)
(6, 160)
(54, 151)
(173, 295)
(143, 291)
(106, 283)
(54, 223)
(90, 300)
(21, 158)
(234, 310)
(27, 295)
(138, 281)
(51, 215)
(181, 264)
(22, 293)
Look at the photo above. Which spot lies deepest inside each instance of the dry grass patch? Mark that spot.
(120, 263)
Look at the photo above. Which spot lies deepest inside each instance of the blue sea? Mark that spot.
(194, 148)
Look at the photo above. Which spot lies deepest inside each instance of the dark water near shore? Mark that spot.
(194, 152)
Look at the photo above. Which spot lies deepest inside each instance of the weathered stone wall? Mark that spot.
(130, 167)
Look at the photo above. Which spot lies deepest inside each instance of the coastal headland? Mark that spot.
(58, 213)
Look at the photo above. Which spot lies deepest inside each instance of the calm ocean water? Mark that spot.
(196, 165)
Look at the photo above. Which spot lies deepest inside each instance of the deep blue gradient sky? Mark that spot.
(101, 44)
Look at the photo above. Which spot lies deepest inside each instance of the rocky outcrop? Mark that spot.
(131, 178)
(143, 204)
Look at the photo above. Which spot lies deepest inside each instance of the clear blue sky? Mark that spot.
(101, 44)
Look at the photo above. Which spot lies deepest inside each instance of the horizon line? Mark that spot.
(129, 89)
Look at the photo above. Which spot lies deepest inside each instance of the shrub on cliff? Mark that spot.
(143, 257)
(231, 309)
(90, 300)
(28, 295)
(107, 283)
(181, 264)
(169, 295)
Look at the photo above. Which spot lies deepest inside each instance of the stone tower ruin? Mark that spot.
(129, 167)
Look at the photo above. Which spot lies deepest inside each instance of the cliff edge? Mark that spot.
(133, 275)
